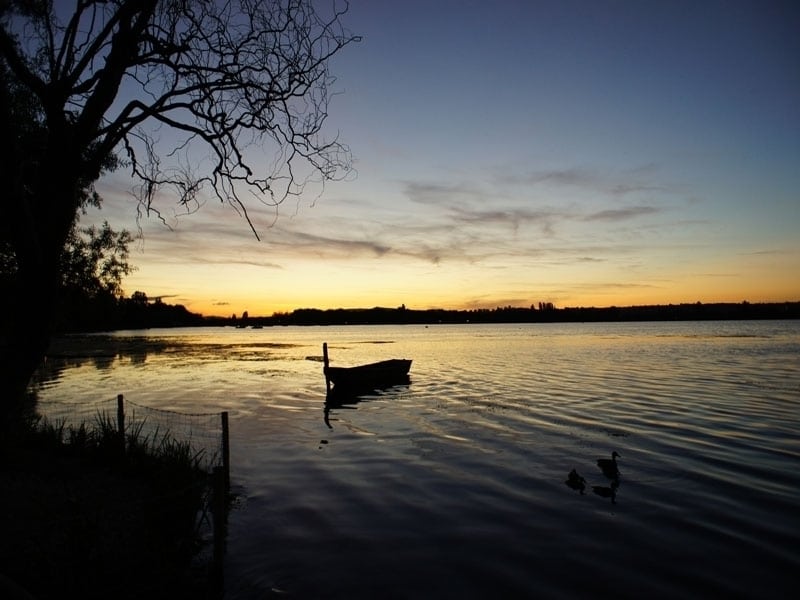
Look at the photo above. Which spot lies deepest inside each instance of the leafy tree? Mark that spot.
(95, 260)
(93, 264)
(198, 97)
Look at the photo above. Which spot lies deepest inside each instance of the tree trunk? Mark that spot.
(41, 174)
(25, 336)
(44, 220)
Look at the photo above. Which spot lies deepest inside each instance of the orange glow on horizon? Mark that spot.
(231, 289)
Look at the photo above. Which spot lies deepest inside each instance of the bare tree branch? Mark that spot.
(234, 81)
(220, 99)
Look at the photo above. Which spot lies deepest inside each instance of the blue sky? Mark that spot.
(581, 153)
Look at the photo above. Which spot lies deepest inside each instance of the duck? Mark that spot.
(575, 481)
(609, 465)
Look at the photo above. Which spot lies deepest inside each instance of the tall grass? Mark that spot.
(82, 516)
(180, 489)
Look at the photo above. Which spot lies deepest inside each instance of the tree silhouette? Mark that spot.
(95, 260)
(227, 99)
(93, 263)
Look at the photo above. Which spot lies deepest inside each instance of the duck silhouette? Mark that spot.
(575, 481)
(609, 466)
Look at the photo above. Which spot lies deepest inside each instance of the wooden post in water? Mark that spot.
(219, 515)
(121, 422)
(226, 451)
(325, 367)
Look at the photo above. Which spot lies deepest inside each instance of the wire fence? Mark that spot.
(206, 434)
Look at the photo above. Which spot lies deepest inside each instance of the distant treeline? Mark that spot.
(545, 313)
(140, 312)
(104, 312)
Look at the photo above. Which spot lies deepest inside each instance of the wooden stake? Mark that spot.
(121, 422)
(325, 368)
(226, 451)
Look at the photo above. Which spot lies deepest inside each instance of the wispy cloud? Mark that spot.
(622, 214)
(335, 245)
(429, 193)
(513, 218)
(574, 176)
(773, 252)
(635, 180)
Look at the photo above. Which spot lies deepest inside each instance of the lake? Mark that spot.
(455, 486)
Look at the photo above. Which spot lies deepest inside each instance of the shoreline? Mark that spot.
(79, 525)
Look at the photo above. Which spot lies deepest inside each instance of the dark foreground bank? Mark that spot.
(78, 521)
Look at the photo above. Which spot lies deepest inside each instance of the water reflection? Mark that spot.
(441, 472)
(609, 468)
(609, 491)
(349, 399)
(104, 351)
(337, 405)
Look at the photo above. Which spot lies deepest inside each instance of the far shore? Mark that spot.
(541, 313)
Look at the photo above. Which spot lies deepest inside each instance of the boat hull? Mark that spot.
(365, 377)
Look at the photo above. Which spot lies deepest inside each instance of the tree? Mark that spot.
(191, 94)
(95, 260)
(93, 263)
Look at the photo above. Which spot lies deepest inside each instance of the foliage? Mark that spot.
(93, 264)
(95, 260)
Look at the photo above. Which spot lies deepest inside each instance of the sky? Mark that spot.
(603, 153)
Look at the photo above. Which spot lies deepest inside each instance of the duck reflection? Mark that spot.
(607, 491)
(609, 468)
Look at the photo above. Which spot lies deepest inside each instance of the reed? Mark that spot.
(96, 521)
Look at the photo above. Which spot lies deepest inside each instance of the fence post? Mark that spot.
(219, 514)
(325, 366)
(226, 451)
(121, 422)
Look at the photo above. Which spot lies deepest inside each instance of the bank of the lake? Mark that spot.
(79, 519)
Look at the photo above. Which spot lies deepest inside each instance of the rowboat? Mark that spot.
(367, 377)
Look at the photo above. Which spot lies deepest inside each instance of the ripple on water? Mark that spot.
(454, 486)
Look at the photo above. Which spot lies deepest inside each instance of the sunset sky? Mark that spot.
(581, 153)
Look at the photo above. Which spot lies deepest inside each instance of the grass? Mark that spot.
(81, 518)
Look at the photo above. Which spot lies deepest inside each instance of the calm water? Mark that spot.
(454, 486)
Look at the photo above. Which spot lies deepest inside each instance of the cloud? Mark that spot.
(513, 217)
(622, 214)
(336, 245)
(623, 189)
(434, 194)
(637, 180)
(572, 176)
(773, 252)
(718, 275)
(485, 222)
(515, 200)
